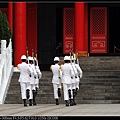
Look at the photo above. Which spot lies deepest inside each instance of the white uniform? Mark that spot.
(67, 73)
(56, 79)
(74, 76)
(33, 76)
(24, 78)
(79, 74)
(39, 76)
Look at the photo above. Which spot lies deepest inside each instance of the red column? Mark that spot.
(10, 13)
(81, 32)
(79, 26)
(19, 31)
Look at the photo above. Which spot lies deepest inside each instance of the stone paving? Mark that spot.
(60, 110)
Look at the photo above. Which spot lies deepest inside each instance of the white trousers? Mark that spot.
(24, 87)
(36, 85)
(73, 85)
(32, 86)
(77, 84)
(55, 88)
(67, 87)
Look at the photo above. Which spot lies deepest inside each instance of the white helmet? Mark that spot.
(66, 58)
(56, 59)
(23, 57)
(30, 58)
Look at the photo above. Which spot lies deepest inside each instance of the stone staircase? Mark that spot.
(100, 83)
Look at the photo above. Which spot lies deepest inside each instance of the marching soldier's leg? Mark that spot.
(66, 97)
(27, 93)
(34, 94)
(59, 90)
(27, 90)
(30, 94)
(36, 89)
(77, 87)
(25, 103)
(56, 93)
(74, 94)
(70, 95)
(34, 102)
(23, 93)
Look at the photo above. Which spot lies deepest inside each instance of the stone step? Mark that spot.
(100, 79)
(100, 83)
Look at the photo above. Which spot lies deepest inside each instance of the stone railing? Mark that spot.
(6, 68)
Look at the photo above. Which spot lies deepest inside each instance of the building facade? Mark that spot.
(50, 29)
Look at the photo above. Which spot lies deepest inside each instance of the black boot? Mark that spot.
(76, 91)
(67, 103)
(25, 104)
(34, 102)
(71, 102)
(27, 93)
(57, 102)
(59, 92)
(30, 102)
(69, 92)
(74, 103)
(74, 94)
(36, 91)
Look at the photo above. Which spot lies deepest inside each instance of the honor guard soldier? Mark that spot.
(75, 76)
(24, 79)
(39, 75)
(67, 74)
(32, 79)
(56, 79)
(79, 72)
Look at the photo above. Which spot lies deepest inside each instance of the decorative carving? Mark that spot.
(97, 44)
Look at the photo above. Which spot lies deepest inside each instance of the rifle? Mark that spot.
(71, 63)
(77, 57)
(27, 54)
(36, 59)
(33, 56)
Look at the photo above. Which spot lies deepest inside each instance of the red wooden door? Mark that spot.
(68, 30)
(98, 30)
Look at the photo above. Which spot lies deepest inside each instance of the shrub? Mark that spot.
(5, 30)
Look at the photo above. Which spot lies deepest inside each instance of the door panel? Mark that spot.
(68, 30)
(98, 30)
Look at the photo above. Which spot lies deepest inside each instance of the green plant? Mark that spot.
(5, 31)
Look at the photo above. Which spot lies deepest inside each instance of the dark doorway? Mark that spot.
(114, 32)
(59, 31)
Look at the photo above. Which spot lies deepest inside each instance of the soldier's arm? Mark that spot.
(39, 73)
(60, 71)
(18, 66)
(79, 70)
(29, 70)
(51, 67)
(72, 72)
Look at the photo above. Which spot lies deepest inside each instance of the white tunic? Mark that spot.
(67, 73)
(39, 74)
(79, 70)
(56, 74)
(33, 73)
(24, 72)
(74, 71)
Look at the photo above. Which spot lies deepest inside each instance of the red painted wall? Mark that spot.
(32, 27)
